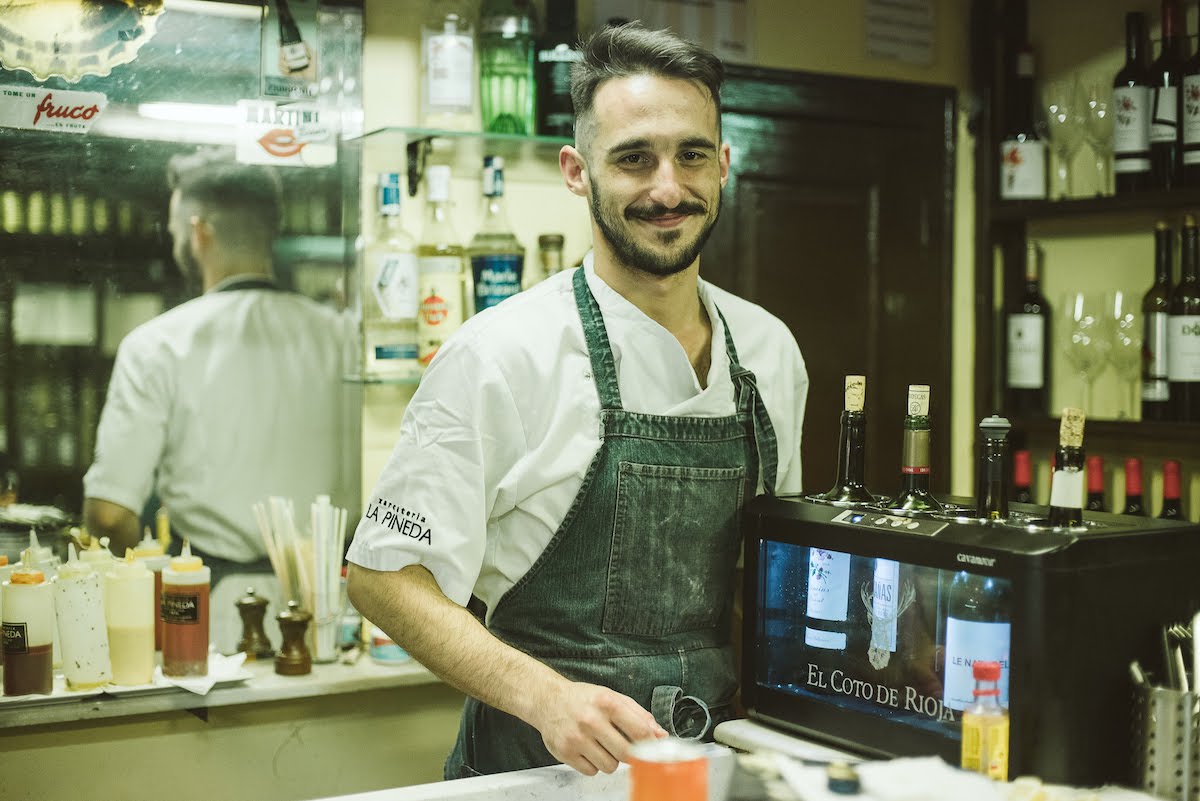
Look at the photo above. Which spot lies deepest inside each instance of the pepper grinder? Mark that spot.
(294, 658)
(254, 642)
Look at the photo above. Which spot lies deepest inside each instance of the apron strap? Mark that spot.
(604, 369)
(749, 400)
(681, 715)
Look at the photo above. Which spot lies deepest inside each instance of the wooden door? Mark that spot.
(837, 219)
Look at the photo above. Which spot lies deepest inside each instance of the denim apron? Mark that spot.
(635, 589)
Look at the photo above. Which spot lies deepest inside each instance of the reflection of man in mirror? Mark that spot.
(229, 398)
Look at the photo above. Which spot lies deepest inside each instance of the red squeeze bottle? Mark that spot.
(184, 615)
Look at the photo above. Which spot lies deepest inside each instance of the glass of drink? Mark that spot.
(1084, 338)
(1098, 127)
(1125, 350)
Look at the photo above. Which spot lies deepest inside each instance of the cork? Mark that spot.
(918, 400)
(1070, 432)
(856, 390)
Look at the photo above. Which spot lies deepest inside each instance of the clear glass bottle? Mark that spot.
(1066, 488)
(850, 486)
(441, 266)
(497, 258)
(978, 629)
(389, 297)
(448, 65)
(1156, 392)
(506, 81)
(914, 495)
(985, 726)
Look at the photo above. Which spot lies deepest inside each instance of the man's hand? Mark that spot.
(591, 728)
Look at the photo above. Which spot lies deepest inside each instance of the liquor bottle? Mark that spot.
(556, 52)
(991, 490)
(389, 301)
(985, 726)
(1029, 343)
(497, 258)
(1022, 151)
(851, 487)
(1022, 476)
(978, 629)
(914, 493)
(1166, 73)
(448, 67)
(828, 599)
(1172, 507)
(550, 254)
(1156, 392)
(1131, 99)
(1183, 330)
(291, 46)
(506, 82)
(441, 266)
(1133, 488)
(1095, 484)
(1066, 488)
(1190, 121)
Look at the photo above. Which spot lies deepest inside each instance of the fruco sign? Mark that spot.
(60, 110)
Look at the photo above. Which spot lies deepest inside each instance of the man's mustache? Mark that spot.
(660, 210)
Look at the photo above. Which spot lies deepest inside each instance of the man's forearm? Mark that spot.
(107, 519)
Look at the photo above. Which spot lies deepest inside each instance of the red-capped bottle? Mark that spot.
(1133, 488)
(1095, 484)
(1022, 476)
(1172, 506)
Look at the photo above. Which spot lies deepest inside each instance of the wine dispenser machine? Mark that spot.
(861, 626)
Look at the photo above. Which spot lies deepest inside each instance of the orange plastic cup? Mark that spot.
(668, 770)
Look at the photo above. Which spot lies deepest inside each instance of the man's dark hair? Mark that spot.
(242, 201)
(631, 49)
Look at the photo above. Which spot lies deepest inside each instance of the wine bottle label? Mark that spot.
(918, 400)
(1155, 371)
(1066, 489)
(883, 604)
(968, 642)
(1165, 123)
(1026, 344)
(828, 640)
(828, 584)
(395, 285)
(441, 310)
(449, 71)
(856, 391)
(1023, 169)
(1191, 118)
(1131, 134)
(1183, 347)
(497, 278)
(1070, 428)
(915, 453)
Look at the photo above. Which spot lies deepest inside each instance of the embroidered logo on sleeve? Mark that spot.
(403, 521)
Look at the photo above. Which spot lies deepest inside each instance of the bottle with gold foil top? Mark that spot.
(151, 553)
(129, 614)
(184, 613)
(914, 493)
(852, 446)
(28, 629)
(79, 610)
(1066, 487)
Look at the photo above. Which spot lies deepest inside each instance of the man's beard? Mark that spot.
(619, 235)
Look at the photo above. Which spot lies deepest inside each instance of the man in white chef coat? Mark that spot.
(577, 457)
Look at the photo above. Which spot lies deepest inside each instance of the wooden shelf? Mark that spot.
(1133, 434)
(1152, 202)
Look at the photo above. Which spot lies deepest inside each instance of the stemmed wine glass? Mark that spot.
(1125, 353)
(1084, 338)
(1099, 119)
(1065, 128)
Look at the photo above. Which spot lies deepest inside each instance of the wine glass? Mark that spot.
(1084, 339)
(1066, 129)
(1125, 352)
(1099, 118)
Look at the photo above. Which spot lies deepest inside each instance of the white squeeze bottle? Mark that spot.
(129, 609)
(79, 608)
(42, 557)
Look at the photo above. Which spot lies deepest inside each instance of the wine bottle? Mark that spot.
(506, 89)
(1095, 484)
(852, 446)
(991, 491)
(291, 46)
(1183, 330)
(1029, 343)
(389, 300)
(448, 67)
(1022, 151)
(1131, 99)
(441, 266)
(1166, 74)
(914, 495)
(1022, 476)
(556, 52)
(1190, 121)
(497, 258)
(1172, 506)
(978, 629)
(1156, 392)
(1133, 488)
(885, 596)
(1066, 488)
(828, 599)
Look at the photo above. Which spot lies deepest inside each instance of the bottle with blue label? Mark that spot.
(497, 258)
(390, 297)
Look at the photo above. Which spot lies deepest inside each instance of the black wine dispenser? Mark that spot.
(1079, 606)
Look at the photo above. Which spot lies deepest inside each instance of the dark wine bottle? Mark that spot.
(1166, 74)
(1028, 373)
(1183, 330)
(1172, 506)
(852, 448)
(1066, 488)
(295, 54)
(1156, 392)
(991, 476)
(1133, 488)
(1022, 476)
(978, 629)
(1189, 123)
(1022, 151)
(1095, 484)
(914, 495)
(555, 53)
(1131, 99)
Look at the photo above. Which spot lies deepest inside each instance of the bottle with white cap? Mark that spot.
(28, 627)
(129, 614)
(152, 552)
(184, 613)
(79, 609)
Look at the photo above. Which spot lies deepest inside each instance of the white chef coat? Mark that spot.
(495, 443)
(218, 404)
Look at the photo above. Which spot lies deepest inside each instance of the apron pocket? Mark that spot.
(674, 548)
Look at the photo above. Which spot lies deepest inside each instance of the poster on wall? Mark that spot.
(289, 51)
(286, 134)
(723, 26)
